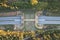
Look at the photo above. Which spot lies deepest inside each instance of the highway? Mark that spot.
(10, 20)
(48, 20)
(41, 20)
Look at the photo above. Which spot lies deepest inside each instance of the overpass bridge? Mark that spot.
(17, 20)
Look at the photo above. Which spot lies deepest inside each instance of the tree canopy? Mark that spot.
(52, 5)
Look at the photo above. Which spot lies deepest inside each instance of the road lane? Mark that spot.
(10, 20)
(48, 20)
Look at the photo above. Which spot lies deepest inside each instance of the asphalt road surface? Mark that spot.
(10, 20)
(48, 20)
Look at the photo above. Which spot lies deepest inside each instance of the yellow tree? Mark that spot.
(3, 3)
(34, 2)
(6, 3)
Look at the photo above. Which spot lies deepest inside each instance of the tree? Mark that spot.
(34, 2)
